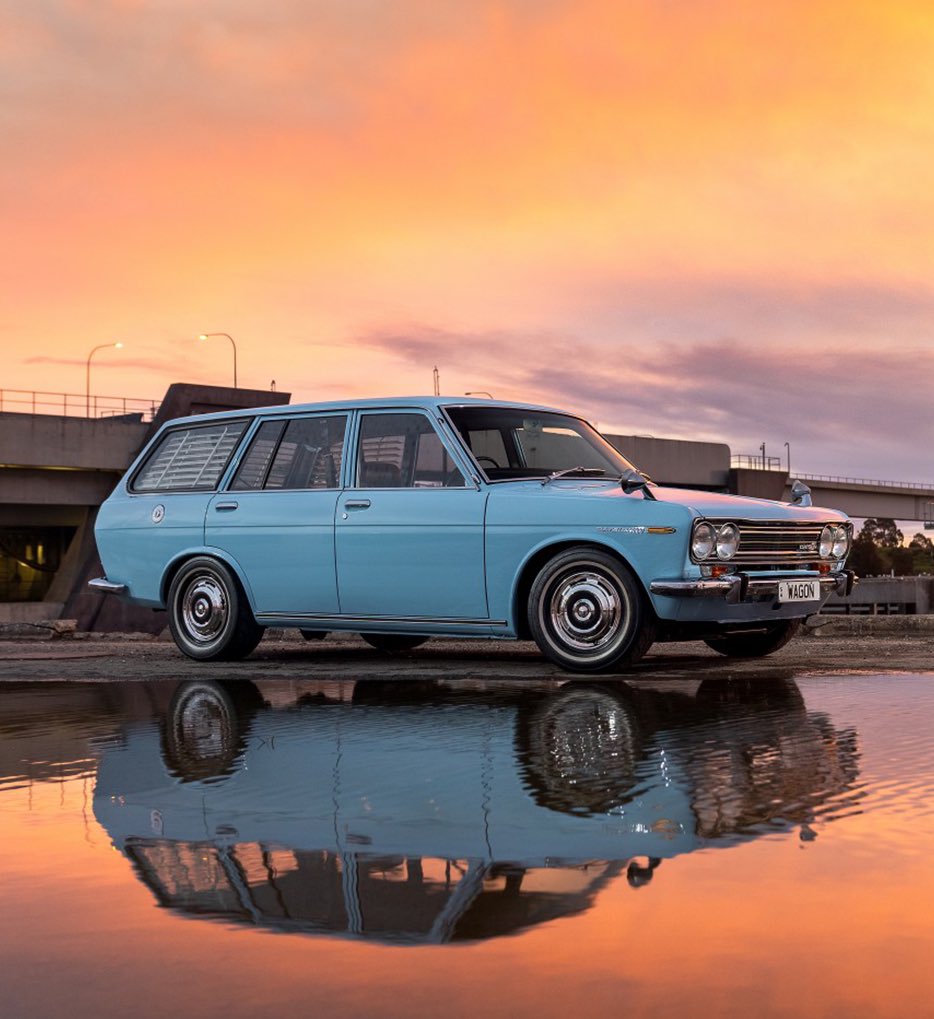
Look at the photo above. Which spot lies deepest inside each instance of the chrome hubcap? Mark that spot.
(587, 611)
(204, 609)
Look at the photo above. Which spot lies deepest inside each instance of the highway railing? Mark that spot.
(25, 401)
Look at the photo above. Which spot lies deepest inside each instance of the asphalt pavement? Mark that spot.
(839, 646)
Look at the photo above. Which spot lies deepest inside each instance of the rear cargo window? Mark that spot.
(189, 459)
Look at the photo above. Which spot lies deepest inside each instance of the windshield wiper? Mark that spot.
(585, 472)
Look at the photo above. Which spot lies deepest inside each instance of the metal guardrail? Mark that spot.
(756, 462)
(924, 486)
(26, 401)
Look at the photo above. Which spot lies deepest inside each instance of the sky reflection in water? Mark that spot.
(512, 849)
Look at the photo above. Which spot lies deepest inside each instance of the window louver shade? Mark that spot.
(190, 459)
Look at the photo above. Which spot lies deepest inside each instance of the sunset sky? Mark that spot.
(681, 217)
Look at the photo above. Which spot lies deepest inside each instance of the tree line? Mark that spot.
(879, 548)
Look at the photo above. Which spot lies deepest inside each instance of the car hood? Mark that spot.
(704, 504)
(716, 504)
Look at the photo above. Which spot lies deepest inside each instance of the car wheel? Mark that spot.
(209, 617)
(392, 641)
(587, 612)
(756, 643)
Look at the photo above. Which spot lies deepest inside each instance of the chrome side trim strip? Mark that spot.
(104, 586)
(369, 620)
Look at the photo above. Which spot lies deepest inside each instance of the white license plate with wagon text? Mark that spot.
(798, 590)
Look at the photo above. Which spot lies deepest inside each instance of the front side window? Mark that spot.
(403, 451)
(510, 443)
(189, 459)
(302, 453)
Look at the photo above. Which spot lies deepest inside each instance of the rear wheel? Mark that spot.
(756, 643)
(587, 612)
(393, 641)
(209, 617)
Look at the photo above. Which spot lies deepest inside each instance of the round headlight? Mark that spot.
(827, 537)
(727, 541)
(703, 541)
(841, 542)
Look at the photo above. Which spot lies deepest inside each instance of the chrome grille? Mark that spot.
(776, 543)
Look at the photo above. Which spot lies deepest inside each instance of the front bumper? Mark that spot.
(741, 587)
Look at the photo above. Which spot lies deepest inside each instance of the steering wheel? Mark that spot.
(488, 459)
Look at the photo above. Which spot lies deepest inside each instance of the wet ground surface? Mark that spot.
(101, 658)
(326, 830)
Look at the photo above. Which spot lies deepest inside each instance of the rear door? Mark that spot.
(276, 518)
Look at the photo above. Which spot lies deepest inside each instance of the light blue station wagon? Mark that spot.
(407, 518)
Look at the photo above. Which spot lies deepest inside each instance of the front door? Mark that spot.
(409, 533)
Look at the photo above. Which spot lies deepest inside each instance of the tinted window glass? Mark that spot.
(308, 454)
(403, 451)
(190, 459)
(256, 461)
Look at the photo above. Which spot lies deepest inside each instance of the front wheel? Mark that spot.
(587, 612)
(756, 643)
(209, 617)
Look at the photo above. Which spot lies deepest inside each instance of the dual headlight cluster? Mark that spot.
(711, 540)
(834, 541)
(721, 541)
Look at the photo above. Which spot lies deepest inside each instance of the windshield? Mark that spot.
(510, 443)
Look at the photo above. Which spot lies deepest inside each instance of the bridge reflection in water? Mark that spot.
(424, 813)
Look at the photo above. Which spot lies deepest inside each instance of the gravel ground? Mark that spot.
(842, 645)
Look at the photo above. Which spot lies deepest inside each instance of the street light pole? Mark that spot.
(87, 375)
(788, 451)
(205, 336)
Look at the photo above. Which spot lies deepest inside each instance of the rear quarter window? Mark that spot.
(189, 459)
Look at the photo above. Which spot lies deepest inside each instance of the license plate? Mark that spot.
(798, 590)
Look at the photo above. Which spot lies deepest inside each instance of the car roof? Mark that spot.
(386, 402)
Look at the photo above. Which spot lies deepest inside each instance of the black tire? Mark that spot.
(755, 643)
(209, 617)
(587, 612)
(393, 641)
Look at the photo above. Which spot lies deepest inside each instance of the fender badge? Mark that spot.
(158, 514)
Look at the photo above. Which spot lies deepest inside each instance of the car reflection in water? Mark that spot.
(427, 813)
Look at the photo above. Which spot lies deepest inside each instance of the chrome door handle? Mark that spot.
(221, 506)
(357, 504)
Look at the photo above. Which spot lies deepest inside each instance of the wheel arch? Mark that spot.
(178, 561)
(537, 559)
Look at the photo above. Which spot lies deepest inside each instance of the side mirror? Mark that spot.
(800, 494)
(632, 481)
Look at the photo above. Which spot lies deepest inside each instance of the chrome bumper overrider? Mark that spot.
(738, 587)
(104, 586)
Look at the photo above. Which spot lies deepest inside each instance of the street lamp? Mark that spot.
(205, 336)
(87, 377)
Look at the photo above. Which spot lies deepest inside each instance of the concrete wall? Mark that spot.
(89, 444)
(887, 595)
(677, 462)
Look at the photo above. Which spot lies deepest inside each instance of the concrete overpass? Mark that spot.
(709, 465)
